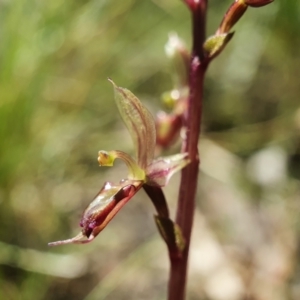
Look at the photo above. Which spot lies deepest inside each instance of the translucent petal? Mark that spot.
(162, 169)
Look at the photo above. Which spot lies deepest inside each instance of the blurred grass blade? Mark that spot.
(60, 265)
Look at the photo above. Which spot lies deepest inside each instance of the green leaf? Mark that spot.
(139, 122)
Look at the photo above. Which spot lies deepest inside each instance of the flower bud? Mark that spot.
(167, 129)
(257, 3)
(193, 4)
(180, 59)
(233, 14)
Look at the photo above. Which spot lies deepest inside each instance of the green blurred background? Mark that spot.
(57, 111)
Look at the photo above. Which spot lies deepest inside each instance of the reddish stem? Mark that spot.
(188, 185)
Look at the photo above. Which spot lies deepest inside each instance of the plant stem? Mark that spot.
(192, 122)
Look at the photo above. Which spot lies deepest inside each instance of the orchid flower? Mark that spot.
(145, 171)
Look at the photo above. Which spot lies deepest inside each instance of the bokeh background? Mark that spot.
(57, 111)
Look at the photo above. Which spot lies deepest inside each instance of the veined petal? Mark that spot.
(107, 159)
(162, 169)
(102, 209)
(139, 122)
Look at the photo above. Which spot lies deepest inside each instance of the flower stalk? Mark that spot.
(192, 122)
(144, 171)
(203, 51)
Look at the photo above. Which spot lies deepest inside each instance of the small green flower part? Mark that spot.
(216, 43)
(107, 159)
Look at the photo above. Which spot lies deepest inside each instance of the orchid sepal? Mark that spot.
(216, 43)
(140, 124)
(102, 209)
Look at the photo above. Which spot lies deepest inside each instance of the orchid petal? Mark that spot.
(107, 159)
(139, 122)
(162, 169)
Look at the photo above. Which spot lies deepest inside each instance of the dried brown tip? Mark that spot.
(75, 240)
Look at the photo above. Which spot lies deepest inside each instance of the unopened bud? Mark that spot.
(257, 3)
(193, 4)
(180, 58)
(233, 14)
(170, 98)
(167, 129)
